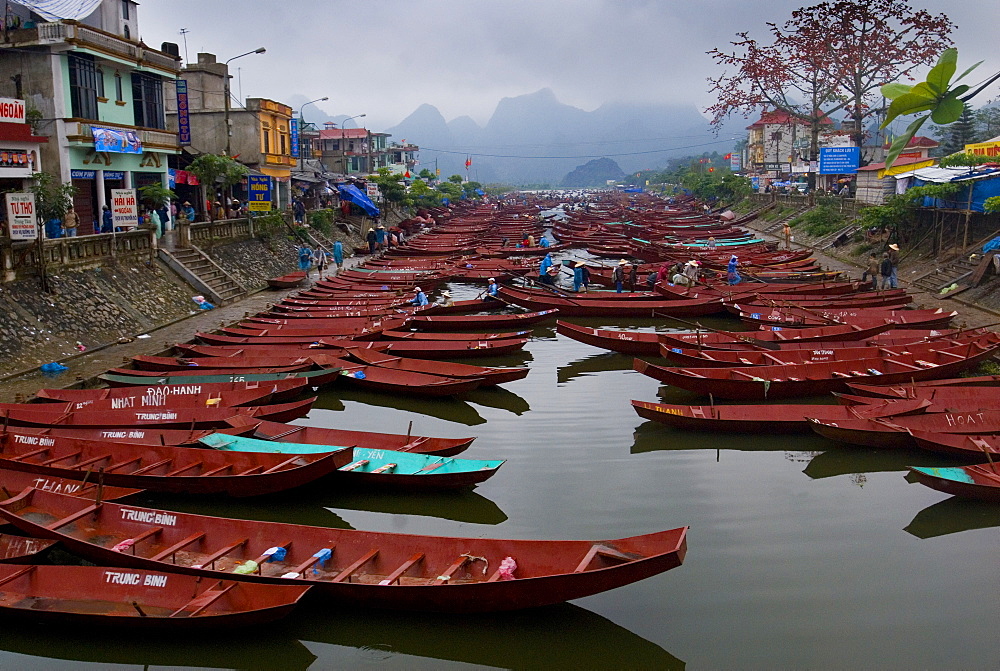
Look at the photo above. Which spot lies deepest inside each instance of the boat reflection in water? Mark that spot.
(652, 436)
(272, 647)
(597, 363)
(498, 397)
(306, 506)
(850, 461)
(564, 636)
(450, 409)
(460, 506)
(952, 516)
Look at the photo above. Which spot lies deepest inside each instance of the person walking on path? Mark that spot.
(372, 239)
(578, 269)
(786, 230)
(338, 255)
(107, 220)
(633, 276)
(319, 258)
(70, 222)
(305, 259)
(894, 260)
(885, 270)
(871, 272)
(618, 275)
(380, 236)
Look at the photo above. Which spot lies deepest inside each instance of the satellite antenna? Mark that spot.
(184, 33)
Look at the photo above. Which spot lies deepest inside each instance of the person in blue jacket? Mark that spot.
(733, 275)
(420, 299)
(543, 242)
(543, 270)
(338, 255)
(107, 220)
(492, 291)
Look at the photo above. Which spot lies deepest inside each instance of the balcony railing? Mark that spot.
(279, 159)
(58, 32)
(157, 138)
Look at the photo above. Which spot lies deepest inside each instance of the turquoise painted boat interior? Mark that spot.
(946, 473)
(405, 462)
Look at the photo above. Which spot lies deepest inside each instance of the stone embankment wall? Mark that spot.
(253, 262)
(93, 307)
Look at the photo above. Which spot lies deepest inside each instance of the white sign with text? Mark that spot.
(21, 218)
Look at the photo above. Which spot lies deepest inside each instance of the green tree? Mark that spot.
(391, 186)
(155, 196)
(987, 123)
(456, 179)
(216, 171)
(426, 174)
(422, 195)
(962, 132)
(52, 198)
(450, 190)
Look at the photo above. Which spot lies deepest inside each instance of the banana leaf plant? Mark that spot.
(940, 96)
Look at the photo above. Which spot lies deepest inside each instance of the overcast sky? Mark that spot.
(384, 58)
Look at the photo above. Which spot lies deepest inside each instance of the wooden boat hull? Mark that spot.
(488, 375)
(163, 468)
(457, 323)
(17, 549)
(288, 281)
(777, 335)
(109, 597)
(277, 391)
(762, 419)
(980, 482)
(315, 378)
(421, 573)
(626, 342)
(287, 433)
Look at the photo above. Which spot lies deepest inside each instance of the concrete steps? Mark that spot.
(956, 272)
(204, 274)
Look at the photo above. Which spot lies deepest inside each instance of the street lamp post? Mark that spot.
(302, 123)
(343, 150)
(229, 130)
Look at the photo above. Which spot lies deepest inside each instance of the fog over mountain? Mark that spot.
(535, 139)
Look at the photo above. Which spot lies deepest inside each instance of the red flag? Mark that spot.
(468, 162)
(407, 174)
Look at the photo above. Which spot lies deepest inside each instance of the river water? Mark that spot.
(802, 553)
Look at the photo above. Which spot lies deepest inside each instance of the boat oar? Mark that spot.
(763, 344)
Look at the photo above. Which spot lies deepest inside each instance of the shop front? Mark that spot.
(19, 150)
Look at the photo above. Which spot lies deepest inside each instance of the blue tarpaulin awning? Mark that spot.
(353, 194)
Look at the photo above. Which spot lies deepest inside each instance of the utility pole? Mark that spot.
(184, 34)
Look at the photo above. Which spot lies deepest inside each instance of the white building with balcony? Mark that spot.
(97, 93)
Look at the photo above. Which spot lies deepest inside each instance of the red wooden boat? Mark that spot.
(287, 281)
(626, 342)
(441, 335)
(827, 336)
(110, 597)
(236, 374)
(894, 432)
(316, 435)
(817, 353)
(370, 569)
(279, 391)
(439, 349)
(149, 398)
(17, 549)
(813, 379)
(488, 375)
(12, 482)
(949, 396)
(980, 481)
(401, 381)
(200, 418)
(862, 317)
(38, 436)
(206, 353)
(175, 470)
(457, 323)
(756, 303)
(245, 363)
(906, 391)
(307, 329)
(570, 306)
(964, 446)
(765, 418)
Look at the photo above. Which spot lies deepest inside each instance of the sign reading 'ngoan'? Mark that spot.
(124, 208)
(21, 221)
(259, 188)
(11, 110)
(839, 160)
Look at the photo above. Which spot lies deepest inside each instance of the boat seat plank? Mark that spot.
(356, 465)
(385, 468)
(49, 462)
(178, 471)
(120, 464)
(403, 568)
(251, 471)
(92, 460)
(145, 469)
(364, 559)
(224, 467)
(198, 604)
(307, 564)
(173, 549)
(284, 464)
(219, 554)
(28, 455)
(17, 574)
(262, 559)
(450, 571)
(604, 551)
(83, 512)
(148, 533)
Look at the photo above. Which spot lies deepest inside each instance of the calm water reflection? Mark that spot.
(803, 553)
